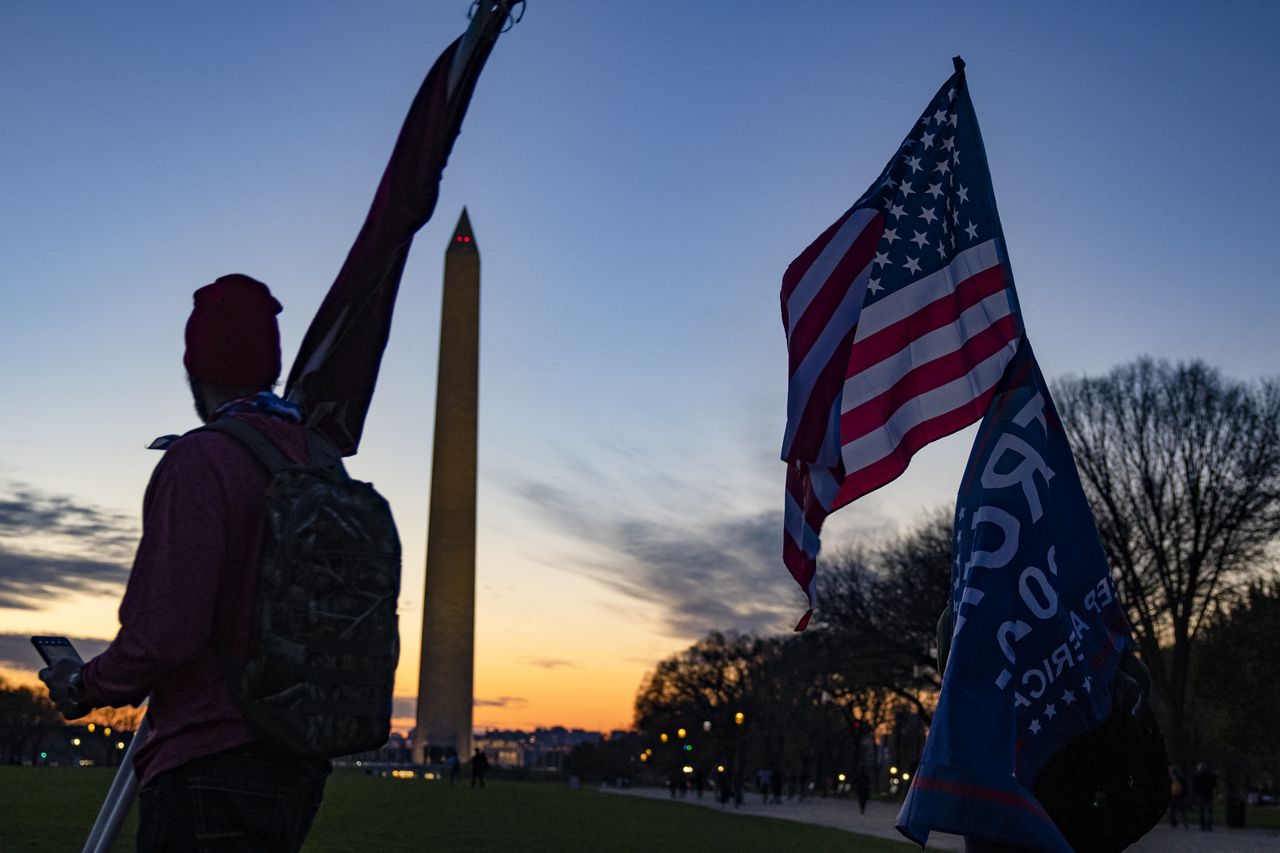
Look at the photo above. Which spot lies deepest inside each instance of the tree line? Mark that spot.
(1182, 468)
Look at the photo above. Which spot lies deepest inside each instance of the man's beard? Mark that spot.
(197, 393)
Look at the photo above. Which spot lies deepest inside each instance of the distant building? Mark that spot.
(541, 749)
(538, 750)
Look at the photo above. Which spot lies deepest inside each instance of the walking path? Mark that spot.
(879, 818)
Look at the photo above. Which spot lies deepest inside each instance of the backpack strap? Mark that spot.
(322, 453)
(257, 443)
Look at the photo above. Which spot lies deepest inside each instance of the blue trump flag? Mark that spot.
(1037, 629)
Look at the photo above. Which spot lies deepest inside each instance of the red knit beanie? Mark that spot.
(232, 336)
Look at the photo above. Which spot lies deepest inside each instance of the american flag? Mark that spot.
(900, 320)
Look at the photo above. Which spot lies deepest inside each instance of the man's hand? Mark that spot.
(65, 687)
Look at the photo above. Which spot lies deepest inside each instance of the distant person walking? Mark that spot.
(479, 767)
(1178, 797)
(455, 767)
(862, 788)
(1204, 784)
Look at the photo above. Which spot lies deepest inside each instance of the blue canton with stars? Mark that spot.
(935, 196)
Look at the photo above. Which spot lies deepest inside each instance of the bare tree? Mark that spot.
(1182, 467)
(878, 611)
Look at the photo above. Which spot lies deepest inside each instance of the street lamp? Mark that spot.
(680, 733)
(739, 718)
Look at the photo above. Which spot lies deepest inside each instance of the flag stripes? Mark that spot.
(900, 320)
(822, 297)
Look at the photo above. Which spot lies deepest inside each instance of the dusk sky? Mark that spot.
(638, 177)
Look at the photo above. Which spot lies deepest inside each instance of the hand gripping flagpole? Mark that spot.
(488, 18)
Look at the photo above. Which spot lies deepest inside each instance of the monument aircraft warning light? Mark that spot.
(445, 677)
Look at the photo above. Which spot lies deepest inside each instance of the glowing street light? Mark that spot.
(893, 771)
(680, 733)
(840, 777)
(706, 725)
(91, 727)
(75, 741)
(906, 776)
(739, 718)
(119, 744)
(663, 737)
(107, 731)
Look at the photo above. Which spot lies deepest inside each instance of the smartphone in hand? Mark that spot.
(54, 649)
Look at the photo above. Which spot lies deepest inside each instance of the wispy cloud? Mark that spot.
(51, 544)
(511, 703)
(550, 663)
(703, 572)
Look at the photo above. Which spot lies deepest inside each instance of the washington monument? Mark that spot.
(448, 604)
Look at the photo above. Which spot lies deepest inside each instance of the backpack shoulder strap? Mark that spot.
(257, 443)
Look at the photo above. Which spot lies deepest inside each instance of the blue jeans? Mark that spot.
(245, 800)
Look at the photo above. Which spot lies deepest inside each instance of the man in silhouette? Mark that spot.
(187, 612)
(479, 767)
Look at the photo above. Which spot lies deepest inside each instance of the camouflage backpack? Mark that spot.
(322, 658)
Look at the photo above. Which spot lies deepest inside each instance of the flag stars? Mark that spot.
(949, 143)
(927, 139)
(920, 239)
(881, 258)
(897, 211)
(1034, 727)
(912, 265)
(1069, 697)
(1050, 711)
(1088, 684)
(906, 189)
(934, 190)
(962, 193)
(954, 118)
(914, 163)
(943, 167)
(972, 230)
(927, 214)
(890, 234)
(940, 116)
(874, 285)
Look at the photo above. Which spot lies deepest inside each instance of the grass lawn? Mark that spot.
(52, 809)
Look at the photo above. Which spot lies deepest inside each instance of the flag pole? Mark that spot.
(115, 808)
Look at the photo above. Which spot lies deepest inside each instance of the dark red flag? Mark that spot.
(334, 374)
